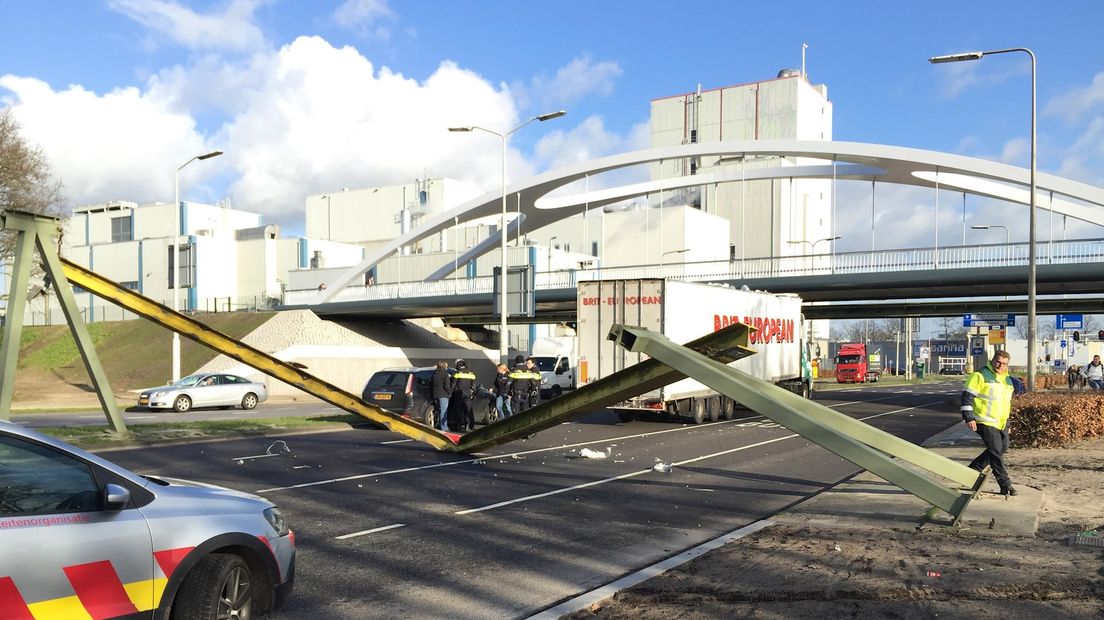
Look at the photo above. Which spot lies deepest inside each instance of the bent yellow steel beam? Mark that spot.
(726, 345)
(194, 330)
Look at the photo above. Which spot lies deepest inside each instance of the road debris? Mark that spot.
(587, 453)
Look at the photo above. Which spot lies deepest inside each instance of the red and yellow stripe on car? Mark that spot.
(97, 592)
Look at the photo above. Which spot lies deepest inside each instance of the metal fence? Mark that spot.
(882, 261)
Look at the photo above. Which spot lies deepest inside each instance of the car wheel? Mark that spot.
(557, 391)
(249, 401)
(625, 416)
(429, 415)
(699, 411)
(182, 404)
(492, 413)
(220, 586)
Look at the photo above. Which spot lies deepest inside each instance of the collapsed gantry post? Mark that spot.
(858, 442)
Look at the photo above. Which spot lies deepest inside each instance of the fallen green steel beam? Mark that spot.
(726, 345)
(800, 416)
(37, 230)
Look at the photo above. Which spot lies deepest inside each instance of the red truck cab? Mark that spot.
(853, 365)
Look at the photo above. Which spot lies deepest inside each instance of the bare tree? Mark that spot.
(26, 182)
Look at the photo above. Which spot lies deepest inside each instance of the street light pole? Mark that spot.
(813, 244)
(661, 256)
(1031, 258)
(550, 240)
(176, 259)
(503, 345)
(988, 226)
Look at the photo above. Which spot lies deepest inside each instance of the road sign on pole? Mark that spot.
(1069, 321)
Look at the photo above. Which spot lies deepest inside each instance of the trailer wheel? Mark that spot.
(625, 416)
(714, 407)
(728, 409)
(699, 411)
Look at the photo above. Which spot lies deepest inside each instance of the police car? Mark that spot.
(81, 537)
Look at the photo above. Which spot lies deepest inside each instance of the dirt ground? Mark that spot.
(801, 572)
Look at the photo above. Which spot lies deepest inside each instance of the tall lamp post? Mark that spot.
(503, 345)
(1031, 333)
(988, 226)
(176, 259)
(813, 244)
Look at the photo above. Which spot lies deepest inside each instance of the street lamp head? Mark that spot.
(459, 128)
(209, 155)
(980, 227)
(551, 115)
(935, 60)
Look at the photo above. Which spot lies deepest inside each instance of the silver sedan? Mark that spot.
(205, 390)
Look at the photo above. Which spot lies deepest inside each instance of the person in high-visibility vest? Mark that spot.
(986, 404)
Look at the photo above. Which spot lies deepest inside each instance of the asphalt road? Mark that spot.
(387, 527)
(146, 416)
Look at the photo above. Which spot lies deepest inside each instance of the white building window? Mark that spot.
(121, 229)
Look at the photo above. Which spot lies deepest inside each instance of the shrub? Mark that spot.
(1053, 419)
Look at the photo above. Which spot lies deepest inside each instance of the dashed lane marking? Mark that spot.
(371, 531)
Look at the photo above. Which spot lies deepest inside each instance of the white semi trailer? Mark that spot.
(685, 311)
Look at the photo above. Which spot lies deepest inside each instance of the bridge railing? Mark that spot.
(880, 261)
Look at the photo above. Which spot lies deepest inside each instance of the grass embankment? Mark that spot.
(97, 437)
(134, 354)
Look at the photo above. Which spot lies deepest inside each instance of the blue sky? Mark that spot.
(306, 97)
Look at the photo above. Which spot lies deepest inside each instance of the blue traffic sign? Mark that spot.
(983, 320)
(1069, 321)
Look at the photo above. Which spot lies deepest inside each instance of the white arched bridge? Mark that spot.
(884, 282)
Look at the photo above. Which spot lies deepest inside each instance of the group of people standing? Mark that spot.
(515, 390)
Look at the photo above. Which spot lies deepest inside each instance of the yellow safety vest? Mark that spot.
(992, 396)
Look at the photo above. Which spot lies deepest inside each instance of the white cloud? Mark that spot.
(364, 16)
(1078, 102)
(120, 145)
(300, 120)
(582, 77)
(232, 29)
(958, 77)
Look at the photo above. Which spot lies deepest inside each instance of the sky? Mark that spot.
(310, 97)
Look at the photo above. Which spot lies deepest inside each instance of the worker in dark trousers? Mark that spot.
(463, 390)
(986, 403)
(534, 382)
(441, 388)
(502, 391)
(519, 386)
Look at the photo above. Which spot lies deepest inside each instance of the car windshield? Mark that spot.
(848, 359)
(189, 380)
(545, 364)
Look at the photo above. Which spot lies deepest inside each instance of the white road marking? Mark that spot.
(684, 428)
(222, 418)
(387, 443)
(140, 417)
(255, 456)
(589, 598)
(371, 531)
(634, 474)
(482, 458)
(89, 417)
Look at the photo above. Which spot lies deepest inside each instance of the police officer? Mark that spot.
(986, 403)
(519, 386)
(463, 390)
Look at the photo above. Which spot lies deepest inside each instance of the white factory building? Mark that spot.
(228, 259)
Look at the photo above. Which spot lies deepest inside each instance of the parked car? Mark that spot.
(205, 390)
(406, 391)
(85, 538)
